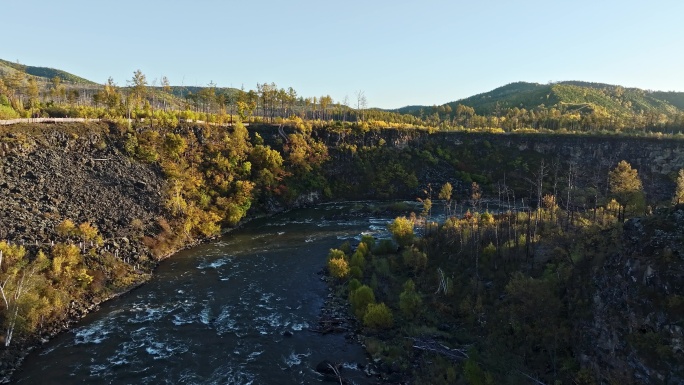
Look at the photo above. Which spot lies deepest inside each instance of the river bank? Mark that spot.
(239, 308)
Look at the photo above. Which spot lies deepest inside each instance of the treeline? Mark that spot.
(564, 118)
(502, 297)
(22, 95)
(567, 107)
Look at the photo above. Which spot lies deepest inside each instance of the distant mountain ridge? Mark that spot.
(566, 95)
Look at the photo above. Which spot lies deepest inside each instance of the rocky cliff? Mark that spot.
(499, 157)
(636, 333)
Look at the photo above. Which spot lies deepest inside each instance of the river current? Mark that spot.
(221, 312)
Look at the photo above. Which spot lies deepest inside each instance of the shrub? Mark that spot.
(353, 284)
(378, 316)
(385, 247)
(66, 228)
(402, 231)
(414, 259)
(356, 272)
(369, 242)
(6, 112)
(338, 267)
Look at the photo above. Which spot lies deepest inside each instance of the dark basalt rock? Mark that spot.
(326, 367)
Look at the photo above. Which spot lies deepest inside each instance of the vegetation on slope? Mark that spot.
(43, 72)
(523, 295)
(571, 106)
(32, 96)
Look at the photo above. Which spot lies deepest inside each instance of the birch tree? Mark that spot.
(16, 280)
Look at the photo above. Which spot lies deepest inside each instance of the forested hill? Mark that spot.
(7, 67)
(565, 96)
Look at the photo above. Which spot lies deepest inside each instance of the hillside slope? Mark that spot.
(43, 72)
(614, 99)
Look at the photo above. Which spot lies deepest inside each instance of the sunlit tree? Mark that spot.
(626, 187)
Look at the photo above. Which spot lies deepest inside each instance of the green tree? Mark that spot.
(353, 284)
(369, 243)
(138, 86)
(14, 82)
(626, 187)
(33, 93)
(112, 95)
(378, 316)
(445, 195)
(359, 256)
(174, 145)
(488, 253)
(535, 314)
(474, 374)
(360, 299)
(4, 93)
(57, 89)
(409, 300)
(72, 97)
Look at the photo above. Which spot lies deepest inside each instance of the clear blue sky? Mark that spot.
(398, 52)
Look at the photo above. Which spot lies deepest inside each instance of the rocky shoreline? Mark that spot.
(336, 308)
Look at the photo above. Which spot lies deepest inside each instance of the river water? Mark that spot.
(216, 313)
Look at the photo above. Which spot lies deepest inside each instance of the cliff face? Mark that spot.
(500, 157)
(636, 334)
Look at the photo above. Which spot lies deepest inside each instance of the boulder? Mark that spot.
(326, 367)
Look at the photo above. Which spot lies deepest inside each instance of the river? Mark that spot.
(219, 313)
